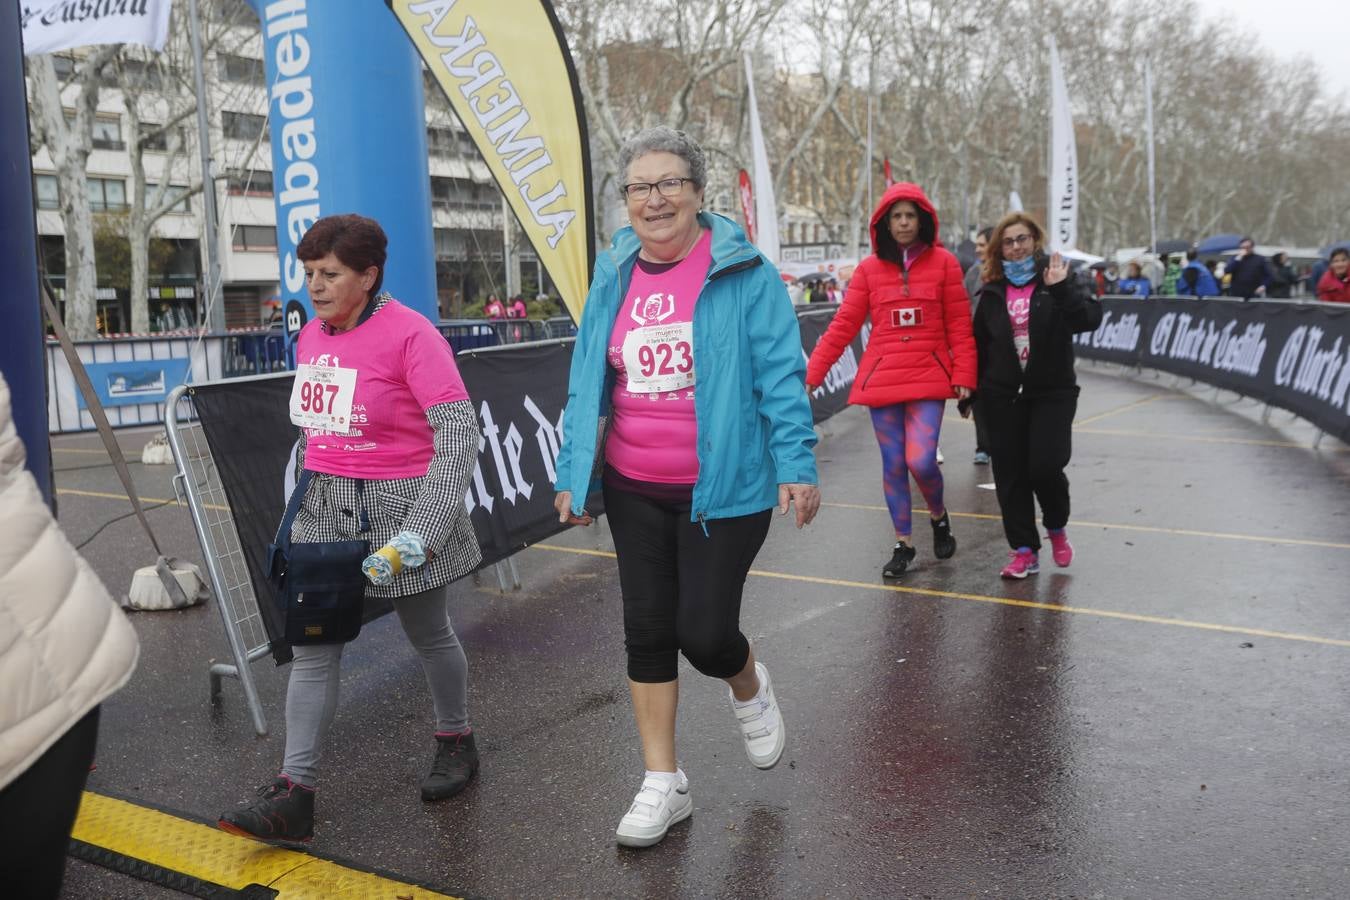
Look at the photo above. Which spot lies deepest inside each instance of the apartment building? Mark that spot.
(467, 206)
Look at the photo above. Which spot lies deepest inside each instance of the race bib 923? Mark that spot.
(659, 358)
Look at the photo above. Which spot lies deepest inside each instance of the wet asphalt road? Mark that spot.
(943, 741)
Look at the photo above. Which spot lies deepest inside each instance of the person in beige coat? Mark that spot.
(64, 648)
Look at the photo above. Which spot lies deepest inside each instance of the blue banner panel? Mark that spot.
(348, 135)
(21, 350)
(134, 381)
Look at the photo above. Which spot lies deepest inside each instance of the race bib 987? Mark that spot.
(322, 398)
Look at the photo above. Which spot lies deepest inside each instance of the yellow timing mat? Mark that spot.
(186, 855)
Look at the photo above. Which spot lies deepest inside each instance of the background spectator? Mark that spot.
(64, 648)
(1282, 276)
(1335, 284)
(1249, 273)
(973, 280)
(1134, 283)
(1196, 279)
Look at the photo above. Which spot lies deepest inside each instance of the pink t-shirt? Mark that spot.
(654, 433)
(1019, 314)
(403, 366)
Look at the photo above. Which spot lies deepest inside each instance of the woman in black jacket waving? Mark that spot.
(1028, 312)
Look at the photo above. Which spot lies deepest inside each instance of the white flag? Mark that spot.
(51, 25)
(1063, 200)
(766, 210)
(1152, 179)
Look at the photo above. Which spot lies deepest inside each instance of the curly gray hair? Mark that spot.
(664, 139)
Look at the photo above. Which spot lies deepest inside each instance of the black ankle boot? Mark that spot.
(944, 543)
(454, 767)
(900, 560)
(283, 813)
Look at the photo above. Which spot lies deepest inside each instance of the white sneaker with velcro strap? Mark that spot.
(761, 723)
(660, 803)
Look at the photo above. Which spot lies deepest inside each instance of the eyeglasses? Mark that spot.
(641, 190)
(1016, 241)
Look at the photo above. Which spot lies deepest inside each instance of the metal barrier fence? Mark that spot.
(475, 334)
(1285, 352)
(135, 375)
(198, 483)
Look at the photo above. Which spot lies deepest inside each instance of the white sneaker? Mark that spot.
(940, 458)
(761, 724)
(658, 805)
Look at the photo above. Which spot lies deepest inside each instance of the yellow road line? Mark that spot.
(1203, 439)
(1008, 601)
(1118, 410)
(145, 501)
(1153, 529)
(200, 851)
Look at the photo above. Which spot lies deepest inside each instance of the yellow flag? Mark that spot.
(510, 79)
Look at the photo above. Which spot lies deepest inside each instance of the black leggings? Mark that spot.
(681, 588)
(1030, 441)
(37, 811)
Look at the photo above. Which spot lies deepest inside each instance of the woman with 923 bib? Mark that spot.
(688, 348)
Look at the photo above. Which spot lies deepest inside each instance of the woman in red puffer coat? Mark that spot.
(920, 355)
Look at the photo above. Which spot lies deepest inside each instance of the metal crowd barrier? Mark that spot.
(1268, 404)
(134, 374)
(198, 483)
(474, 334)
(255, 353)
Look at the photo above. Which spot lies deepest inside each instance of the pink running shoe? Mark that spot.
(1021, 563)
(1060, 548)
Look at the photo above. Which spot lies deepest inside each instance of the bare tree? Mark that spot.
(159, 96)
(70, 145)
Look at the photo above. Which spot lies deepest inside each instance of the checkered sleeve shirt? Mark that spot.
(431, 506)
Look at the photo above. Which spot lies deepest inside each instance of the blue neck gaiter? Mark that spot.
(1021, 271)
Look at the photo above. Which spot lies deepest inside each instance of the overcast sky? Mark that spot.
(1295, 29)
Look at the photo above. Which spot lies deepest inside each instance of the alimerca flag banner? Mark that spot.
(509, 76)
(51, 25)
(1063, 200)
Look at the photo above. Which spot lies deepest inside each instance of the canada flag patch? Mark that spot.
(907, 317)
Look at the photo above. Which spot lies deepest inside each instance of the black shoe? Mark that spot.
(283, 813)
(454, 767)
(944, 543)
(900, 560)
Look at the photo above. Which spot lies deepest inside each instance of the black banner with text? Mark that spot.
(518, 392)
(832, 396)
(1292, 355)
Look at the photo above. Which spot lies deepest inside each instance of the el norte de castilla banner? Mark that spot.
(1292, 355)
(507, 72)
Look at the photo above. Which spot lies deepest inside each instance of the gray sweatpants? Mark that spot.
(311, 697)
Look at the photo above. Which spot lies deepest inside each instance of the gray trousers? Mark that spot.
(311, 697)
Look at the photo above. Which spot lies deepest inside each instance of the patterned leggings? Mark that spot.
(908, 435)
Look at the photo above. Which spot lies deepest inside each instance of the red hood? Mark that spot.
(903, 190)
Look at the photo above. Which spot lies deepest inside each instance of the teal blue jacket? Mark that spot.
(750, 403)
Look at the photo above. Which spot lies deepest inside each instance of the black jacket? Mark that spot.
(1248, 274)
(1057, 314)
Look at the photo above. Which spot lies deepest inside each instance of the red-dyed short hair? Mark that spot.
(357, 242)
